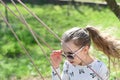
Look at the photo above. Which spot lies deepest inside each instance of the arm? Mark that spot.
(64, 75)
(56, 59)
(56, 74)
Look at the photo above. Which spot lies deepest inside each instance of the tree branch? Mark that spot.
(114, 7)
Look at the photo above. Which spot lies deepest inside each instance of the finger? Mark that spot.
(56, 54)
(57, 51)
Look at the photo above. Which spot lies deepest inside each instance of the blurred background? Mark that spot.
(59, 16)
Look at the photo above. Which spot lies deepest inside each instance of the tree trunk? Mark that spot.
(114, 7)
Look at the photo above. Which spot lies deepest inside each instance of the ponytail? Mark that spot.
(109, 46)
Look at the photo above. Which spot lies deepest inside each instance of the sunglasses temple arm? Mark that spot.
(63, 55)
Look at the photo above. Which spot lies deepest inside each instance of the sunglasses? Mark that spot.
(71, 55)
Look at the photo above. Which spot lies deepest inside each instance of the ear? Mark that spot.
(86, 49)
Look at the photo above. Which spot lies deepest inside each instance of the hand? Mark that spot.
(56, 58)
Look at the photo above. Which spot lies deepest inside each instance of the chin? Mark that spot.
(74, 64)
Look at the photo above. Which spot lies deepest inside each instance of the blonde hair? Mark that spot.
(108, 45)
(82, 37)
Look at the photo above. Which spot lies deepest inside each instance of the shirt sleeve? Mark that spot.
(64, 75)
(56, 74)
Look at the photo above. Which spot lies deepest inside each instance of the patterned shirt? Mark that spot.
(71, 72)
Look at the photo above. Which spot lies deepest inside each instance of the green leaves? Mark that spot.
(12, 58)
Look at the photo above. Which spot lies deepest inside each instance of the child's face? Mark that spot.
(73, 53)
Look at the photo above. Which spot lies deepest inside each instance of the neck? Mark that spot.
(89, 59)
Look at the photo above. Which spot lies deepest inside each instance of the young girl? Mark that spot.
(79, 65)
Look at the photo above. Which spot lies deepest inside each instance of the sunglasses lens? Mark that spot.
(70, 57)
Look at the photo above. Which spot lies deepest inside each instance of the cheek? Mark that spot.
(77, 60)
(80, 57)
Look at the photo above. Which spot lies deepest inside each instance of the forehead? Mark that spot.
(69, 46)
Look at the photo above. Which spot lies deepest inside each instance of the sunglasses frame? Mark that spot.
(72, 55)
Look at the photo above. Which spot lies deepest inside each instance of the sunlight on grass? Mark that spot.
(56, 18)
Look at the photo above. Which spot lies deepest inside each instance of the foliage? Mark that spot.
(13, 59)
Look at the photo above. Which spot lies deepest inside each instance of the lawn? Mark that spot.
(16, 64)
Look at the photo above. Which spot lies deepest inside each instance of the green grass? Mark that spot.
(56, 18)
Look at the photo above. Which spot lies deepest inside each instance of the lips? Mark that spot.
(71, 61)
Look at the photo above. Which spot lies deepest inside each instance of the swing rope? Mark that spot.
(51, 31)
(27, 53)
(22, 19)
(26, 24)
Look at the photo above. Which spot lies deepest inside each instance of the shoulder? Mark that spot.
(99, 64)
(102, 69)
